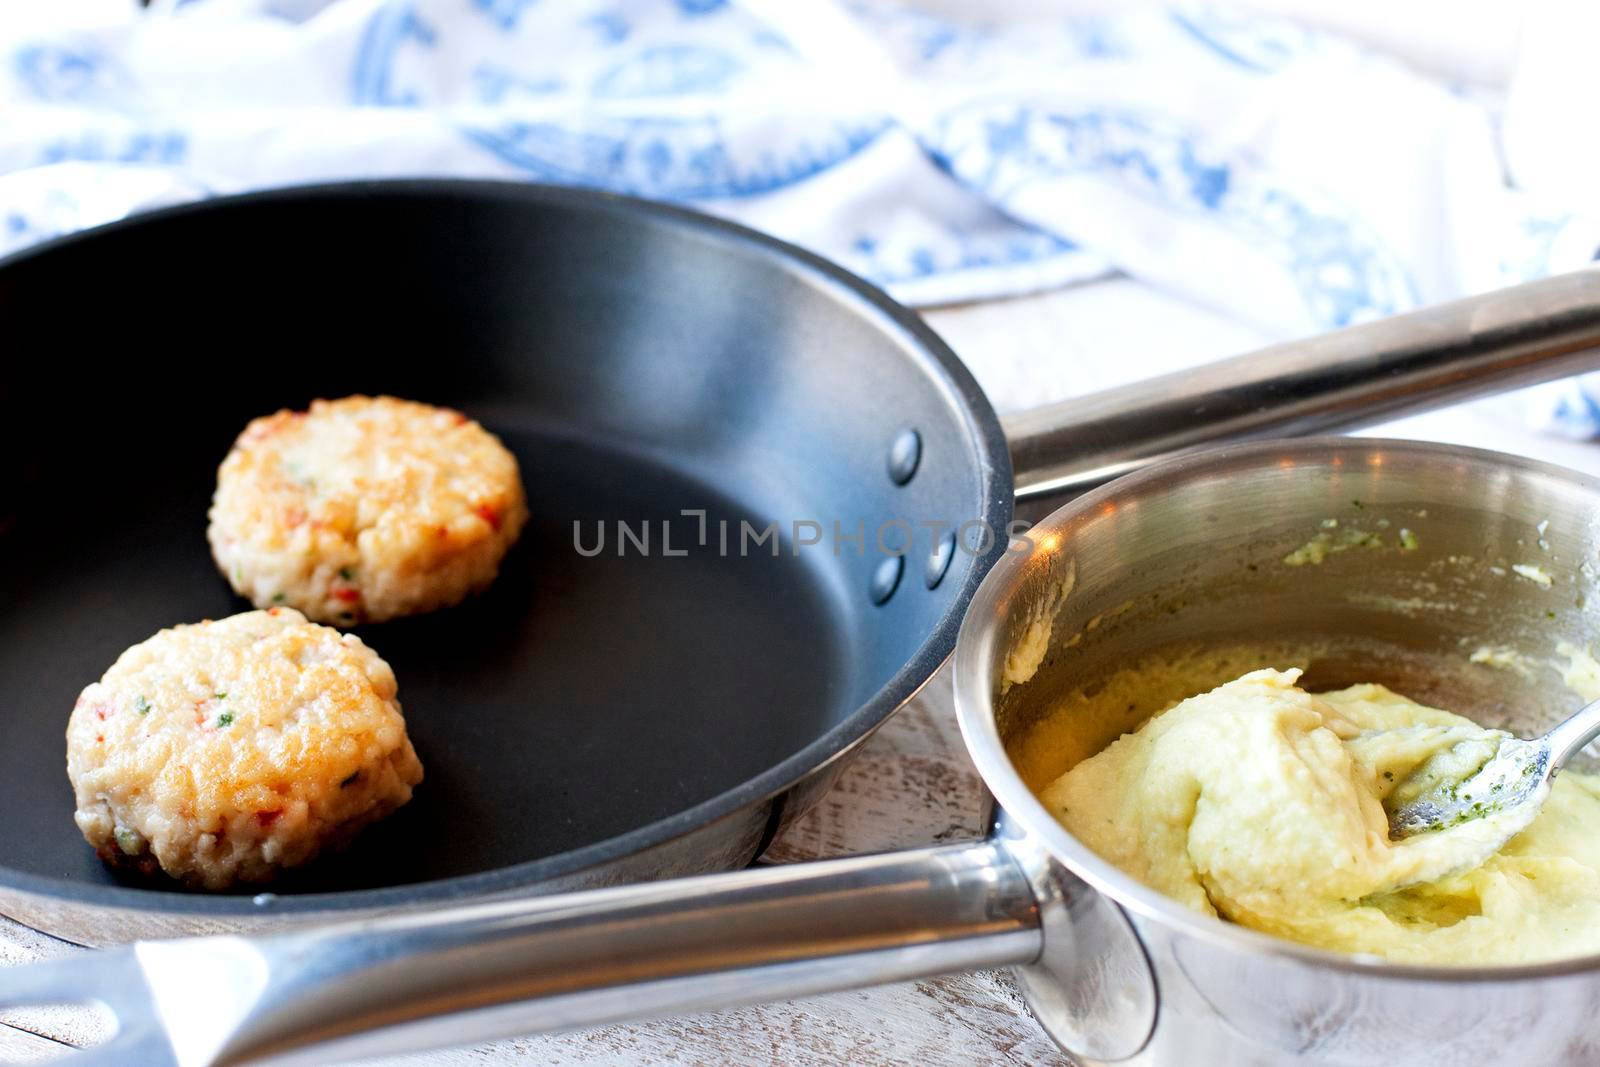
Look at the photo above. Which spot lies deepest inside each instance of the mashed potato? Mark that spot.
(364, 509)
(1263, 804)
(225, 751)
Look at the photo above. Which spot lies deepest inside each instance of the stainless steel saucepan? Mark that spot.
(1186, 556)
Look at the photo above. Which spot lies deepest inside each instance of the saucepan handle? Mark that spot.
(484, 971)
(1356, 376)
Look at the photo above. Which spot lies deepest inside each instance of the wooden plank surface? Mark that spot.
(19, 1046)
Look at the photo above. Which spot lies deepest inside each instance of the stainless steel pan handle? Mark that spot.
(485, 971)
(1356, 376)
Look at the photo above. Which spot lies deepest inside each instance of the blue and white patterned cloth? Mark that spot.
(1275, 173)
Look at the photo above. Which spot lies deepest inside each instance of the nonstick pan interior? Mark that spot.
(640, 363)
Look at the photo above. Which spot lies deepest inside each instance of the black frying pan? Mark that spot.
(588, 720)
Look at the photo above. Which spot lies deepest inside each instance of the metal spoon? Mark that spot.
(1508, 788)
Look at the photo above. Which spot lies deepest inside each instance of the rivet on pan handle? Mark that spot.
(1354, 377)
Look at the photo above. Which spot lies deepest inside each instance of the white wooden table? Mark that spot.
(912, 784)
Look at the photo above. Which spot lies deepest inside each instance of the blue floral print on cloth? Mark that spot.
(1196, 148)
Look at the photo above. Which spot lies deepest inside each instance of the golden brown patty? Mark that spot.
(364, 509)
(225, 751)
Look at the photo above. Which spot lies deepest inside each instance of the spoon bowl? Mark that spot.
(1502, 794)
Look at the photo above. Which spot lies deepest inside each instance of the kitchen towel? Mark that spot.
(1271, 171)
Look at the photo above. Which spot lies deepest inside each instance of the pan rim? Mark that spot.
(984, 439)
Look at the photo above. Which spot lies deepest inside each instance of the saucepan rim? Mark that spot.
(983, 628)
